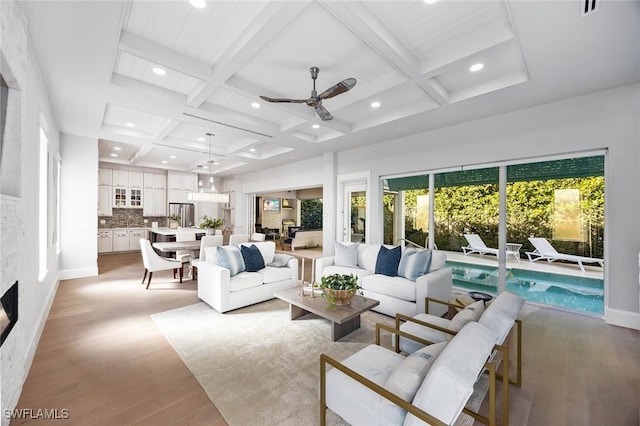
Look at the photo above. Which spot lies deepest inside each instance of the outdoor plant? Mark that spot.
(210, 222)
(339, 288)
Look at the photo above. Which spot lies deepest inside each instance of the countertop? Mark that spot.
(169, 231)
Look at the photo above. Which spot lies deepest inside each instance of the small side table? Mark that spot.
(515, 249)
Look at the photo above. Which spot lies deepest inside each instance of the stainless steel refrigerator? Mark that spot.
(186, 211)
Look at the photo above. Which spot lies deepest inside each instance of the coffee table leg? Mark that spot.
(296, 312)
(338, 331)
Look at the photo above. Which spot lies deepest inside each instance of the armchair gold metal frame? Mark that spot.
(405, 405)
(518, 322)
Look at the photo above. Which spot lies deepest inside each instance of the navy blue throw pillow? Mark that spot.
(388, 261)
(252, 258)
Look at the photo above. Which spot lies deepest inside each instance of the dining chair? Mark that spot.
(206, 241)
(185, 256)
(238, 239)
(154, 263)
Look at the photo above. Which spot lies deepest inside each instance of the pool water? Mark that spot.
(564, 291)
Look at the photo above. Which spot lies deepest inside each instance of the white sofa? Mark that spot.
(221, 291)
(396, 294)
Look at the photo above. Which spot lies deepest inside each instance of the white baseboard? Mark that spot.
(69, 274)
(622, 318)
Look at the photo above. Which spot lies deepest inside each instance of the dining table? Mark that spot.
(173, 246)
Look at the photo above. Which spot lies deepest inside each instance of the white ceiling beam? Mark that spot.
(142, 152)
(265, 23)
(166, 130)
(366, 26)
(156, 53)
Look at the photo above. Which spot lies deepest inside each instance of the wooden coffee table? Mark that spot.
(344, 319)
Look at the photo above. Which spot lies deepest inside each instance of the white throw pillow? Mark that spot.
(230, 257)
(414, 264)
(346, 255)
(211, 255)
(407, 377)
(473, 312)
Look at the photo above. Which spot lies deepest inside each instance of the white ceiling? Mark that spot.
(410, 56)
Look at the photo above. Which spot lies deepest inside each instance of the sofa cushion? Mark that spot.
(397, 287)
(244, 280)
(346, 255)
(368, 255)
(252, 257)
(414, 263)
(358, 272)
(230, 257)
(438, 259)
(273, 274)
(211, 255)
(468, 314)
(388, 260)
(267, 249)
(407, 377)
(280, 260)
(509, 303)
(498, 322)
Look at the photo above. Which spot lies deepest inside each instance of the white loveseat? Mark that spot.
(396, 294)
(224, 292)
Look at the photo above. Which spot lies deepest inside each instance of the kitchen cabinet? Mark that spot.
(155, 181)
(136, 179)
(135, 198)
(127, 197)
(134, 238)
(154, 202)
(120, 240)
(104, 177)
(120, 197)
(105, 241)
(104, 201)
(161, 181)
(120, 178)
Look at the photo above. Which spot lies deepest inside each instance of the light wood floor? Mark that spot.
(102, 358)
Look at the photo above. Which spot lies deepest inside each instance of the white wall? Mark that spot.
(603, 120)
(79, 224)
(19, 225)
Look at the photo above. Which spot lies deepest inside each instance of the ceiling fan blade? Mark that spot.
(343, 86)
(295, 101)
(323, 113)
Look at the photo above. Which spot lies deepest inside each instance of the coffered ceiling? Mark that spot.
(411, 57)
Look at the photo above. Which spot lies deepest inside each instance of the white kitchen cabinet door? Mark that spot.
(120, 178)
(174, 181)
(105, 177)
(189, 182)
(120, 240)
(148, 202)
(160, 202)
(119, 197)
(161, 181)
(134, 238)
(105, 241)
(149, 180)
(104, 201)
(136, 179)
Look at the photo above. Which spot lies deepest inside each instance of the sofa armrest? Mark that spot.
(293, 265)
(437, 285)
(214, 285)
(321, 263)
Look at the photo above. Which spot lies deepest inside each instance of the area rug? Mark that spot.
(260, 368)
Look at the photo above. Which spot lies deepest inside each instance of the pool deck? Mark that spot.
(541, 266)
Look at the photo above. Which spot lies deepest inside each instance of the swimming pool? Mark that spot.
(564, 291)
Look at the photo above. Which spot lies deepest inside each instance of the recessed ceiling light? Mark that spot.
(114, 154)
(172, 156)
(476, 67)
(159, 71)
(252, 150)
(165, 162)
(255, 105)
(375, 104)
(430, 1)
(201, 139)
(198, 4)
(117, 148)
(130, 125)
(215, 163)
(315, 126)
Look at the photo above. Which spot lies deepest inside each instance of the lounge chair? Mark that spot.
(476, 245)
(544, 250)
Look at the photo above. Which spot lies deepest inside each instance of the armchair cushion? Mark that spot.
(272, 274)
(280, 260)
(252, 258)
(388, 261)
(230, 257)
(473, 312)
(346, 255)
(414, 263)
(405, 380)
(438, 259)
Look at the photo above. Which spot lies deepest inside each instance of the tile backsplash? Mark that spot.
(129, 218)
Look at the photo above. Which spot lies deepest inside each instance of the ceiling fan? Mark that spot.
(315, 100)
